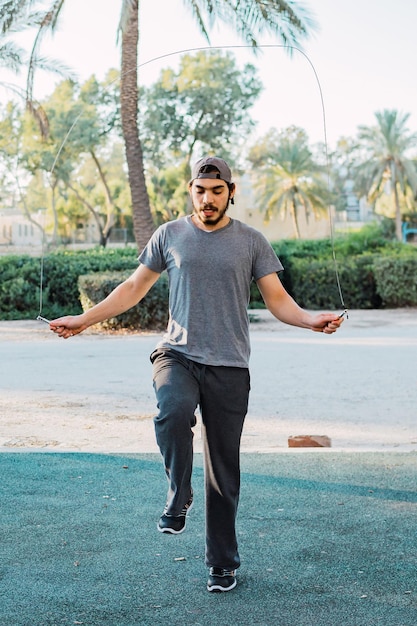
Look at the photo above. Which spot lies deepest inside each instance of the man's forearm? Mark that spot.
(123, 297)
(288, 312)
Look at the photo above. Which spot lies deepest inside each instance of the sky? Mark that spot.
(359, 62)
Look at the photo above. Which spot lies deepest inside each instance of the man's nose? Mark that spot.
(208, 197)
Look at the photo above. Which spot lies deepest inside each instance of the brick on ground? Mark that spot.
(309, 441)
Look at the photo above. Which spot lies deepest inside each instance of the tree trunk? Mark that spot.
(54, 212)
(294, 217)
(143, 225)
(104, 234)
(110, 206)
(398, 217)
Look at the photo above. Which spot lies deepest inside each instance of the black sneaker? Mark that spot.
(221, 579)
(174, 524)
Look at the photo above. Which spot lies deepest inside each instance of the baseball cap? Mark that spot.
(224, 172)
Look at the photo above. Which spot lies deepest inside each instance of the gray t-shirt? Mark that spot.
(209, 287)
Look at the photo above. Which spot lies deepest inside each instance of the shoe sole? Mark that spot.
(171, 531)
(220, 588)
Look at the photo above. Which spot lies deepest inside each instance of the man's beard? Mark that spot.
(211, 220)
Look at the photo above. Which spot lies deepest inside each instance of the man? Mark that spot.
(202, 360)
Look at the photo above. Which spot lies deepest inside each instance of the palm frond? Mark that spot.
(54, 66)
(125, 13)
(12, 11)
(251, 19)
(11, 56)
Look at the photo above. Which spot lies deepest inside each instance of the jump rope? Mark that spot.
(325, 141)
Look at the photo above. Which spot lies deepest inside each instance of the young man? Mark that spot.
(202, 360)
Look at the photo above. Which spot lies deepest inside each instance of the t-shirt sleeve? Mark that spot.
(265, 261)
(153, 255)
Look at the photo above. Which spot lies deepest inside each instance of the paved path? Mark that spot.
(94, 392)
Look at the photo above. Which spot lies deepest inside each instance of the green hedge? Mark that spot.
(310, 271)
(314, 283)
(368, 281)
(373, 273)
(20, 279)
(150, 314)
(396, 280)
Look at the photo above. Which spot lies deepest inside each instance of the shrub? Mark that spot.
(19, 286)
(315, 283)
(374, 271)
(310, 271)
(21, 280)
(150, 314)
(62, 269)
(396, 279)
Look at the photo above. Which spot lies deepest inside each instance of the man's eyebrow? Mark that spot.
(211, 188)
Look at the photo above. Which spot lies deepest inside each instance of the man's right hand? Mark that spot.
(68, 326)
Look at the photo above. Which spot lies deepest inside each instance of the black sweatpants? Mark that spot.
(222, 394)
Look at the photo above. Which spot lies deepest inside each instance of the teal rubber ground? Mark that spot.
(325, 540)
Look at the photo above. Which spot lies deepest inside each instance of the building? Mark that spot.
(18, 232)
(357, 213)
(276, 228)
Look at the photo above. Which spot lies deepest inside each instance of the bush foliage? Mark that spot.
(396, 280)
(150, 314)
(373, 271)
(20, 284)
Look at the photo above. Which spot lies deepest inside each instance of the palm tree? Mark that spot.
(386, 166)
(15, 17)
(250, 18)
(290, 183)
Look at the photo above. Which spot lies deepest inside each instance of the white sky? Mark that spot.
(364, 56)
